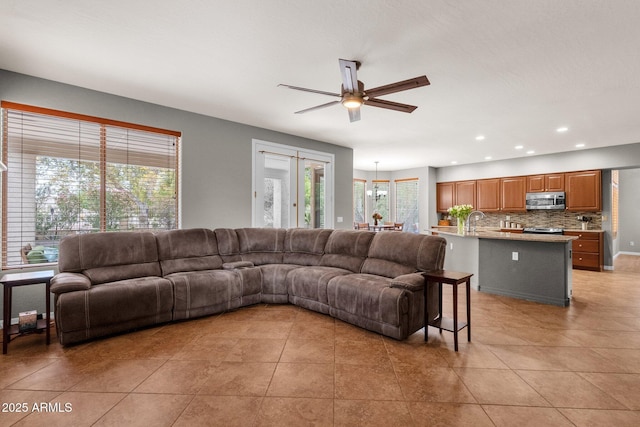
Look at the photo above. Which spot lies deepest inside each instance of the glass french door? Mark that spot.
(292, 188)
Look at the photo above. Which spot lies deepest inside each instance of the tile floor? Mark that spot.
(528, 364)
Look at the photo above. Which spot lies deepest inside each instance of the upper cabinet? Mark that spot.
(466, 193)
(445, 195)
(514, 194)
(548, 182)
(455, 193)
(502, 194)
(488, 195)
(584, 191)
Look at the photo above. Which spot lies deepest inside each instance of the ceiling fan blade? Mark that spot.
(354, 114)
(398, 86)
(349, 72)
(381, 103)
(318, 107)
(304, 89)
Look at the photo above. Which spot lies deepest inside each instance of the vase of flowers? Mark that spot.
(376, 217)
(460, 213)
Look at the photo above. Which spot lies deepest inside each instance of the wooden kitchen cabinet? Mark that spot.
(488, 195)
(547, 182)
(466, 193)
(587, 250)
(513, 194)
(455, 193)
(584, 191)
(445, 195)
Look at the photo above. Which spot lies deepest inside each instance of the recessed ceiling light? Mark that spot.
(488, 157)
(530, 152)
(562, 129)
(519, 147)
(453, 162)
(479, 137)
(579, 145)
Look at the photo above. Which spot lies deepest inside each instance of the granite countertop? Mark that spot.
(495, 233)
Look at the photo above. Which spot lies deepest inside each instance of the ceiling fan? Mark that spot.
(353, 95)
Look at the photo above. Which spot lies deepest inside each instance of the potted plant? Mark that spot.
(376, 217)
(460, 213)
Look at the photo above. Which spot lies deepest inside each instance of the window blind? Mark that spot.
(69, 173)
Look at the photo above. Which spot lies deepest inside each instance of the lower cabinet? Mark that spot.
(587, 250)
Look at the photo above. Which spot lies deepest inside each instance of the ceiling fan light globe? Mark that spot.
(351, 101)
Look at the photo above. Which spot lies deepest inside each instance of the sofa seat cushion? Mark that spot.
(368, 296)
(200, 293)
(311, 282)
(113, 307)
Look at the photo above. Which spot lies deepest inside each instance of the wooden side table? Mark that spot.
(12, 280)
(452, 325)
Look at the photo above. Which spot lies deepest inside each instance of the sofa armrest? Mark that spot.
(237, 264)
(412, 282)
(69, 282)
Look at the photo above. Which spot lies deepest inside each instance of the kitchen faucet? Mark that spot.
(476, 215)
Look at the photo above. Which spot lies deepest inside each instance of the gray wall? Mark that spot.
(616, 157)
(629, 211)
(216, 155)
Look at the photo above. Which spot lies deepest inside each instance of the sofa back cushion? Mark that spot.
(392, 254)
(305, 246)
(261, 245)
(188, 250)
(228, 244)
(110, 256)
(347, 249)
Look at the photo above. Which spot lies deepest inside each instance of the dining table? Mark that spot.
(381, 227)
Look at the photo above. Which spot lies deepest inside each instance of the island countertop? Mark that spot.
(495, 233)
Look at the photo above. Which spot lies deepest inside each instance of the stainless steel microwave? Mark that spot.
(548, 200)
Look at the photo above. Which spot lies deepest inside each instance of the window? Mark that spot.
(407, 204)
(380, 196)
(359, 214)
(292, 187)
(69, 173)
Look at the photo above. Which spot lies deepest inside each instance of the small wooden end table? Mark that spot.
(452, 325)
(12, 280)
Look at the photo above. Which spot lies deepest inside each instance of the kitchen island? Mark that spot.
(534, 267)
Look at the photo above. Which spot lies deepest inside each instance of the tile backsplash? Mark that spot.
(559, 219)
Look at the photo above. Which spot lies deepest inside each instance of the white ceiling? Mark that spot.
(511, 70)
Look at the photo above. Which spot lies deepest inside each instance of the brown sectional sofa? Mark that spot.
(118, 281)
